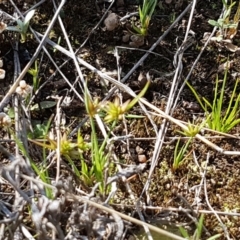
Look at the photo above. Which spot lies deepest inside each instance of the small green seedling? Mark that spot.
(94, 172)
(193, 129)
(115, 110)
(40, 131)
(34, 72)
(22, 26)
(179, 157)
(216, 118)
(198, 232)
(145, 15)
(69, 149)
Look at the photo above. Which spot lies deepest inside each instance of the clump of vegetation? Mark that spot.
(180, 154)
(198, 232)
(22, 26)
(227, 28)
(216, 118)
(145, 15)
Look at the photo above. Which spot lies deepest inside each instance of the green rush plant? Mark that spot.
(115, 111)
(94, 172)
(193, 129)
(198, 232)
(22, 26)
(216, 118)
(179, 155)
(40, 170)
(34, 72)
(145, 15)
(68, 149)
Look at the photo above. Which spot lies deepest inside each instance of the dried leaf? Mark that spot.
(231, 47)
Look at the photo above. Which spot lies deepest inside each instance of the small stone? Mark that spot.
(142, 158)
(167, 186)
(126, 38)
(136, 41)
(19, 90)
(5, 120)
(3, 26)
(111, 22)
(139, 150)
(22, 84)
(2, 74)
(133, 44)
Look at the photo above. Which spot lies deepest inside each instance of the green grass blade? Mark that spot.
(175, 156)
(152, 8)
(136, 99)
(220, 102)
(184, 232)
(217, 115)
(215, 93)
(200, 226)
(231, 101)
(138, 30)
(75, 169)
(196, 96)
(207, 103)
(178, 156)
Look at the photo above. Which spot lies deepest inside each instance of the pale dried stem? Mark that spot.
(208, 203)
(72, 52)
(169, 109)
(25, 70)
(128, 90)
(126, 217)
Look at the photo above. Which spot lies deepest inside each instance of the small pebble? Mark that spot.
(142, 158)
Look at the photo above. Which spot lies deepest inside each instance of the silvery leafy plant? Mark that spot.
(22, 26)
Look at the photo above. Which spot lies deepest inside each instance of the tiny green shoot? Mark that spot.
(34, 72)
(193, 129)
(99, 157)
(198, 232)
(58, 42)
(115, 110)
(145, 15)
(179, 157)
(22, 26)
